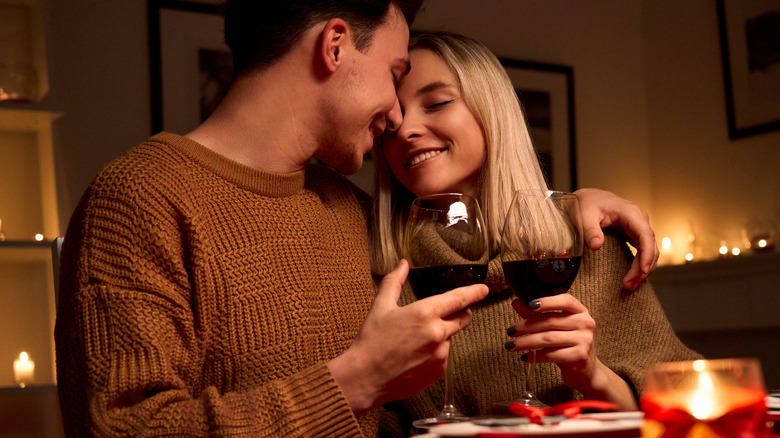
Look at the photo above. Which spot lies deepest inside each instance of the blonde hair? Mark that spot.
(511, 161)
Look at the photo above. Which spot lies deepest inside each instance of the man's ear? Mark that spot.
(334, 42)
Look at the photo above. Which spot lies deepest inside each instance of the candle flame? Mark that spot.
(666, 243)
(702, 404)
(23, 357)
(762, 243)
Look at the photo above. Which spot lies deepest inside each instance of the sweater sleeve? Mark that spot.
(632, 330)
(133, 357)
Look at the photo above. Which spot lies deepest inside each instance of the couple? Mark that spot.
(213, 283)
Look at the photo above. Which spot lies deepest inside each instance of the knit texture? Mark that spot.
(202, 297)
(632, 332)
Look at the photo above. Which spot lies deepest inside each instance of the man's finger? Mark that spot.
(457, 299)
(390, 287)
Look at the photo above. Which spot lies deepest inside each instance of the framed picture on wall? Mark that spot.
(750, 49)
(546, 92)
(191, 67)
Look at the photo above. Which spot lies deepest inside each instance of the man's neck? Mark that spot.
(263, 122)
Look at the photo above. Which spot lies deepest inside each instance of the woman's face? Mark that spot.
(439, 146)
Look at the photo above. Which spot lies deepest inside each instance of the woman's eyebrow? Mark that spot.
(434, 86)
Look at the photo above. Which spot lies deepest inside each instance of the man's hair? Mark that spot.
(260, 32)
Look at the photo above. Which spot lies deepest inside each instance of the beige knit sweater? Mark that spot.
(201, 297)
(632, 333)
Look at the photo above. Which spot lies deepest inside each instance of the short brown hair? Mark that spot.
(260, 32)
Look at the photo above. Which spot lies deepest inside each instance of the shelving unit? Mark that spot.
(28, 308)
(28, 206)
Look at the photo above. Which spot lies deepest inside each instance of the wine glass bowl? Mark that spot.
(541, 252)
(445, 243)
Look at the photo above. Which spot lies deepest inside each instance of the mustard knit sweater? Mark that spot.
(201, 297)
(632, 332)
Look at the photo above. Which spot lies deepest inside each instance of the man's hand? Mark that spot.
(602, 209)
(399, 351)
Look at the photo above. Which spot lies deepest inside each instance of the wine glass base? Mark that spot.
(428, 423)
(529, 400)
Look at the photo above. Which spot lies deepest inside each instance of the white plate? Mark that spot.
(773, 401)
(592, 425)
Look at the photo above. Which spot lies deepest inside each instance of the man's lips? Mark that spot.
(419, 158)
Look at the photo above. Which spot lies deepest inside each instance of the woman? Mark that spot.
(464, 131)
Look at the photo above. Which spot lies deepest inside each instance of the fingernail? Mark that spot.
(509, 345)
(511, 331)
(535, 304)
(524, 357)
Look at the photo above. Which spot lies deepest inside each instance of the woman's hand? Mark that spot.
(602, 209)
(561, 331)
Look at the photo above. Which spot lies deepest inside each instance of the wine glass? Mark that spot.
(445, 243)
(541, 250)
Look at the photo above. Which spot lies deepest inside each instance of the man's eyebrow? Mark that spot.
(434, 86)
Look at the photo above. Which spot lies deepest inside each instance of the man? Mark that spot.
(213, 284)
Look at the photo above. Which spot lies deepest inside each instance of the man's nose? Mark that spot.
(394, 118)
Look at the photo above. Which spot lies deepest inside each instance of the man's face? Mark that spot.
(364, 103)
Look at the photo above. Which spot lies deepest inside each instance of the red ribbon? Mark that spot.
(747, 421)
(568, 409)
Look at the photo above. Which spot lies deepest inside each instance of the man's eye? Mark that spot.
(438, 105)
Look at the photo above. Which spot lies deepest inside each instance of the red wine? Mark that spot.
(434, 280)
(532, 279)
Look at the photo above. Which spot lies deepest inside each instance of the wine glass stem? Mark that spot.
(449, 409)
(530, 387)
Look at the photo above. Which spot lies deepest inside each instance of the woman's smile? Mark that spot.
(424, 156)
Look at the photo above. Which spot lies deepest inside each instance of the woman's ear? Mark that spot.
(335, 38)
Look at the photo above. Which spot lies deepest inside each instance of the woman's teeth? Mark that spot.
(417, 159)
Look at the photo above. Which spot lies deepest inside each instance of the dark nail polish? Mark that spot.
(511, 331)
(509, 345)
(524, 357)
(535, 304)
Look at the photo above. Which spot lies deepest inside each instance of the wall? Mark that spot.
(100, 81)
(700, 179)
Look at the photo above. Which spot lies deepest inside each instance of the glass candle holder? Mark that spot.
(705, 399)
(18, 83)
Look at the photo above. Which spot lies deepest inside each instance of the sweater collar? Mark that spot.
(264, 183)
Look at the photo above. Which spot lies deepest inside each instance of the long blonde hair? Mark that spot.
(511, 161)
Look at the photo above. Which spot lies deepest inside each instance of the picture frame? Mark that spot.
(751, 65)
(190, 65)
(546, 92)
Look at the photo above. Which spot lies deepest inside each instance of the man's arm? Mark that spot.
(602, 209)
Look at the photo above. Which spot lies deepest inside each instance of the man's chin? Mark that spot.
(351, 167)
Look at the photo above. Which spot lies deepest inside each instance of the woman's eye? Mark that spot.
(438, 105)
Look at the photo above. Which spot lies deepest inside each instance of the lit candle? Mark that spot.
(24, 370)
(704, 399)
